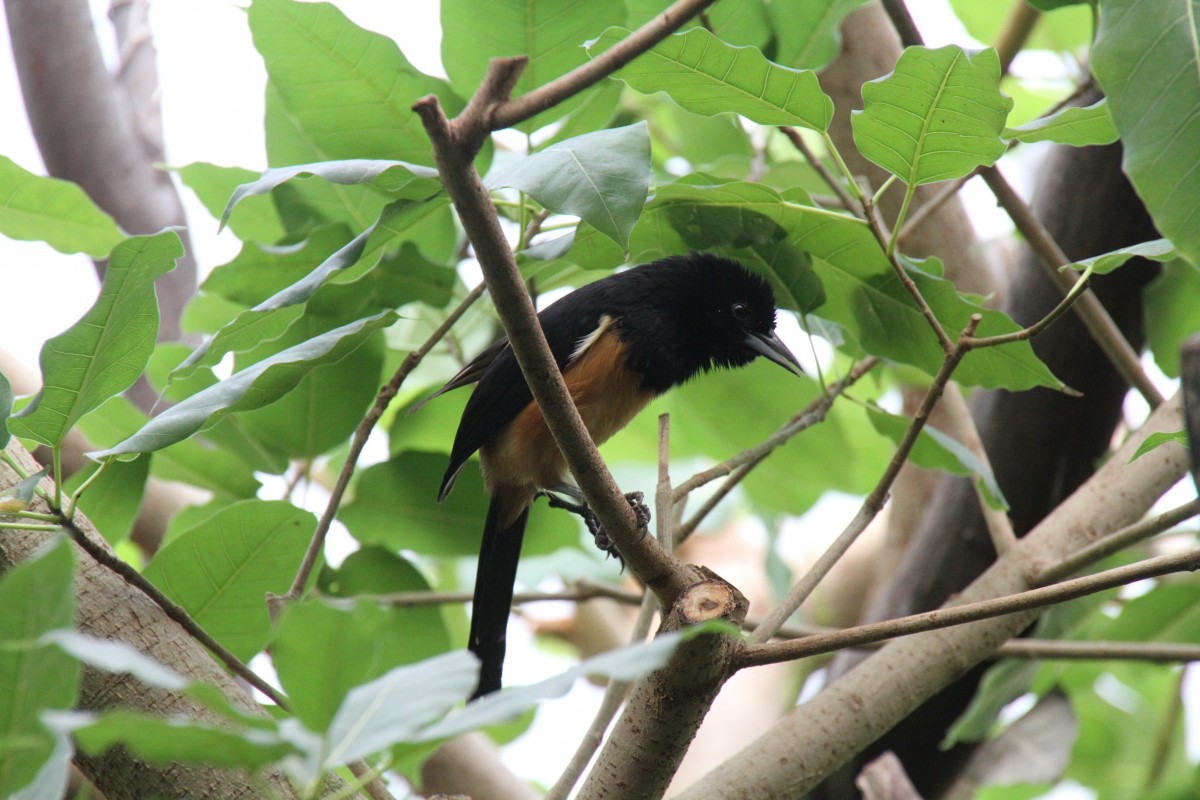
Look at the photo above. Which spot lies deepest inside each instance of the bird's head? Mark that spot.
(732, 313)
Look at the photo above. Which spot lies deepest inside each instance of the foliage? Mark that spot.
(350, 257)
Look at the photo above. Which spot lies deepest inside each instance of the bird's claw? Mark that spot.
(604, 542)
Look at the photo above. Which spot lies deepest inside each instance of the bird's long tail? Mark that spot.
(497, 572)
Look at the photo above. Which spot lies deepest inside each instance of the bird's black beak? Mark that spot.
(769, 345)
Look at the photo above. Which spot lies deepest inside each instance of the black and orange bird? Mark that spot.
(620, 342)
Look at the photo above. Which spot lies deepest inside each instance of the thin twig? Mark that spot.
(873, 503)
(740, 465)
(510, 112)
(847, 202)
(579, 591)
(362, 433)
(926, 210)
(774, 653)
(664, 500)
(1117, 541)
(113, 563)
(887, 243)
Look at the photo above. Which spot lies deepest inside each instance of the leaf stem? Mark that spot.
(73, 500)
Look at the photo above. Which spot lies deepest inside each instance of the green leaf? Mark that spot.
(1073, 125)
(1155, 250)
(1156, 440)
(37, 596)
(394, 707)
(347, 92)
(260, 271)
(221, 570)
(936, 117)
(937, 450)
(323, 649)
(253, 387)
(59, 213)
(1171, 313)
(600, 177)
(270, 318)
(862, 293)
(1147, 59)
(406, 487)
(550, 33)
(328, 403)
(256, 220)
(103, 353)
(707, 76)
(201, 465)
(6, 403)
(172, 740)
(388, 177)
(809, 31)
(378, 571)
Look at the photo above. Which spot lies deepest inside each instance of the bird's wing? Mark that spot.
(502, 392)
(469, 374)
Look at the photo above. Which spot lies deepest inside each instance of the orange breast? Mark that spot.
(608, 396)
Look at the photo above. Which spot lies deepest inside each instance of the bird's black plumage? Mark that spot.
(619, 342)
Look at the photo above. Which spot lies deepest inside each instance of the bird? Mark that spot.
(620, 342)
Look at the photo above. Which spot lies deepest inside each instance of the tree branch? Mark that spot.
(759, 655)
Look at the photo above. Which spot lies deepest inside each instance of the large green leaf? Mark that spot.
(1073, 125)
(1155, 250)
(1147, 59)
(221, 570)
(214, 469)
(256, 219)
(37, 596)
(550, 33)
(600, 177)
(253, 387)
(936, 117)
(389, 177)
(328, 403)
(347, 91)
(37, 209)
(270, 318)
(103, 353)
(862, 292)
(707, 76)
(809, 30)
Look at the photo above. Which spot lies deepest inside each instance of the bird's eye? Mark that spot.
(741, 312)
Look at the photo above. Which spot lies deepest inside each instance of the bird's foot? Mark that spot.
(604, 542)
